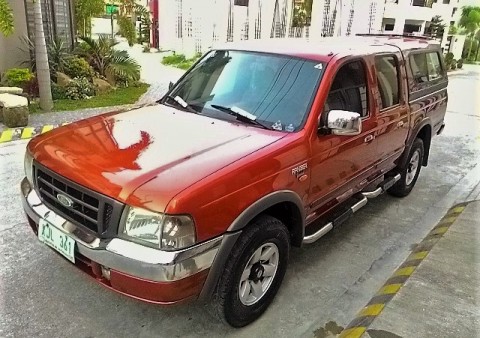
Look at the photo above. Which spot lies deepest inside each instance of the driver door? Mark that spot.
(341, 162)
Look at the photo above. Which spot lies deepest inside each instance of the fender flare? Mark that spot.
(413, 135)
(266, 202)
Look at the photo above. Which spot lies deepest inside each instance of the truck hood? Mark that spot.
(116, 153)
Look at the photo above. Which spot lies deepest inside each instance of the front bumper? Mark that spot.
(141, 272)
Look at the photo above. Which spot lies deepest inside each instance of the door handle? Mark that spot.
(369, 138)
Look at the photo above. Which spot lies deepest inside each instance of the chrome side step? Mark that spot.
(320, 233)
(336, 222)
(384, 186)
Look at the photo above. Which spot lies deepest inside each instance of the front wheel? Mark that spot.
(410, 171)
(253, 273)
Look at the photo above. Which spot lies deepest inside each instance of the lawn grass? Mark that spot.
(118, 97)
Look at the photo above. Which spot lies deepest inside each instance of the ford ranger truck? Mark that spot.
(259, 147)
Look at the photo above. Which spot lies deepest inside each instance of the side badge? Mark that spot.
(299, 172)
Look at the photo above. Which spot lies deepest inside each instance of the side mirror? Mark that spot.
(170, 85)
(342, 122)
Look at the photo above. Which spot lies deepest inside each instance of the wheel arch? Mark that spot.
(423, 130)
(284, 205)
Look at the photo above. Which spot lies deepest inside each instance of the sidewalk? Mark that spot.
(441, 298)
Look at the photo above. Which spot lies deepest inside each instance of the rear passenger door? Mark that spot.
(392, 108)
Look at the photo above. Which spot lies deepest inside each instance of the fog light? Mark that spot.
(106, 272)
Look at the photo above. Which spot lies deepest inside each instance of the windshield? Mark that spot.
(275, 91)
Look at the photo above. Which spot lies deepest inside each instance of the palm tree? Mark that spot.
(106, 60)
(470, 20)
(43, 68)
(6, 18)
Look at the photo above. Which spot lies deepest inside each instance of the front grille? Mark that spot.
(89, 209)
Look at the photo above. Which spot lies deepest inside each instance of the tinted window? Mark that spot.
(277, 90)
(425, 67)
(434, 67)
(349, 90)
(387, 79)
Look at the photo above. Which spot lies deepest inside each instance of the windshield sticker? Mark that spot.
(319, 66)
(277, 125)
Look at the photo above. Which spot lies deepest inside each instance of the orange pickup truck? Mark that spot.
(260, 146)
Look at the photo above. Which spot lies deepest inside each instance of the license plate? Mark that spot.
(56, 239)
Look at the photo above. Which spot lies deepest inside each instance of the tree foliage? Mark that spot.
(6, 18)
(470, 21)
(85, 10)
(437, 27)
(106, 60)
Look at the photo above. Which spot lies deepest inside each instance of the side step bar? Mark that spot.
(382, 187)
(336, 222)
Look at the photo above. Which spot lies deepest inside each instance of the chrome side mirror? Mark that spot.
(342, 122)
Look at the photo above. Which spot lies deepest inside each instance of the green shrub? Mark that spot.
(127, 29)
(79, 89)
(449, 60)
(58, 92)
(18, 77)
(174, 59)
(453, 64)
(185, 65)
(79, 67)
(460, 64)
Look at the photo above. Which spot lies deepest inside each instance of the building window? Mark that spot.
(446, 2)
(389, 27)
(454, 11)
(388, 81)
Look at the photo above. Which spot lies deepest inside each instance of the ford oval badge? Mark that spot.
(65, 200)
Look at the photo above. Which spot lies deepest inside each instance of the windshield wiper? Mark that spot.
(182, 103)
(241, 115)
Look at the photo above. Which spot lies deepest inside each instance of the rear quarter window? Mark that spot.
(426, 69)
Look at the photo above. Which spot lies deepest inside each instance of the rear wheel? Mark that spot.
(253, 273)
(410, 171)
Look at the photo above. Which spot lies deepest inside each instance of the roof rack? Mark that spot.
(404, 35)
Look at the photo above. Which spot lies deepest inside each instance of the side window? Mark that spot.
(425, 67)
(387, 79)
(418, 63)
(434, 67)
(349, 90)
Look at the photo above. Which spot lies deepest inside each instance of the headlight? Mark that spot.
(28, 166)
(162, 231)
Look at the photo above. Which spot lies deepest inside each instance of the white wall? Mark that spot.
(103, 26)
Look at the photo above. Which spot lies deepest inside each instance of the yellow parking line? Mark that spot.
(354, 332)
(6, 135)
(417, 255)
(372, 310)
(389, 289)
(405, 271)
(27, 132)
(47, 128)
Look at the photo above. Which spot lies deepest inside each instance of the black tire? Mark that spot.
(226, 304)
(405, 185)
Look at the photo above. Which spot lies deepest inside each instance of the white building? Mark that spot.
(191, 26)
(415, 16)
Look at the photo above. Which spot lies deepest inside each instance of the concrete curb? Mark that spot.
(366, 316)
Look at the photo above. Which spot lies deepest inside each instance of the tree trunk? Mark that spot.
(43, 69)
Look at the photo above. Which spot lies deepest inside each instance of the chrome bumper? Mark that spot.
(124, 256)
